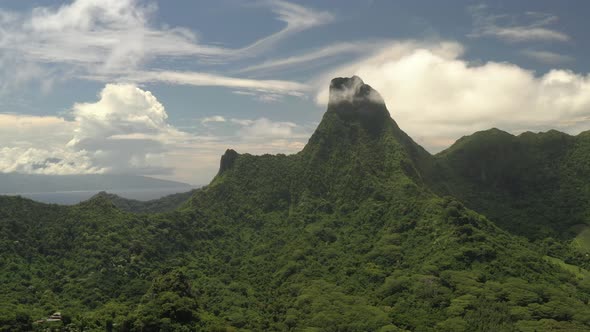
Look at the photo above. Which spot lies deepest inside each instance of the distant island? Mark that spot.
(71, 189)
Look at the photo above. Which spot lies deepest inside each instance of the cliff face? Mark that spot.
(227, 160)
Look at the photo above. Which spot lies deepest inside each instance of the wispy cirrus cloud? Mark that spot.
(116, 40)
(547, 57)
(311, 57)
(106, 35)
(205, 79)
(296, 17)
(532, 26)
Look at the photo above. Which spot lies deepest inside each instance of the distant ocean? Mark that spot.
(74, 197)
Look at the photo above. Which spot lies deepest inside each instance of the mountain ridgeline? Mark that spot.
(363, 230)
(163, 204)
(535, 185)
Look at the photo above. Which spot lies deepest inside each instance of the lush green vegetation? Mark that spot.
(165, 204)
(535, 185)
(347, 235)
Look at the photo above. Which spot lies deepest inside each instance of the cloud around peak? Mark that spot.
(437, 97)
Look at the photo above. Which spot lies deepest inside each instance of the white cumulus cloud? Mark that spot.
(125, 131)
(437, 97)
(49, 160)
(122, 109)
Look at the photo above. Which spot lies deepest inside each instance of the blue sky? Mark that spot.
(162, 88)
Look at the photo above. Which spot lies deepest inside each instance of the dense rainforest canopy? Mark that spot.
(363, 230)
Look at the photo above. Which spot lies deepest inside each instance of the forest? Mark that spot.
(362, 230)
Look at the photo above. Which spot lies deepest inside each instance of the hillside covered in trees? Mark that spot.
(363, 230)
(163, 204)
(534, 185)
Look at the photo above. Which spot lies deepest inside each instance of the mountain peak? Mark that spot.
(352, 100)
(227, 160)
(358, 120)
(352, 90)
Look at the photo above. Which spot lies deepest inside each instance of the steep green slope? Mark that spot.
(343, 236)
(536, 185)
